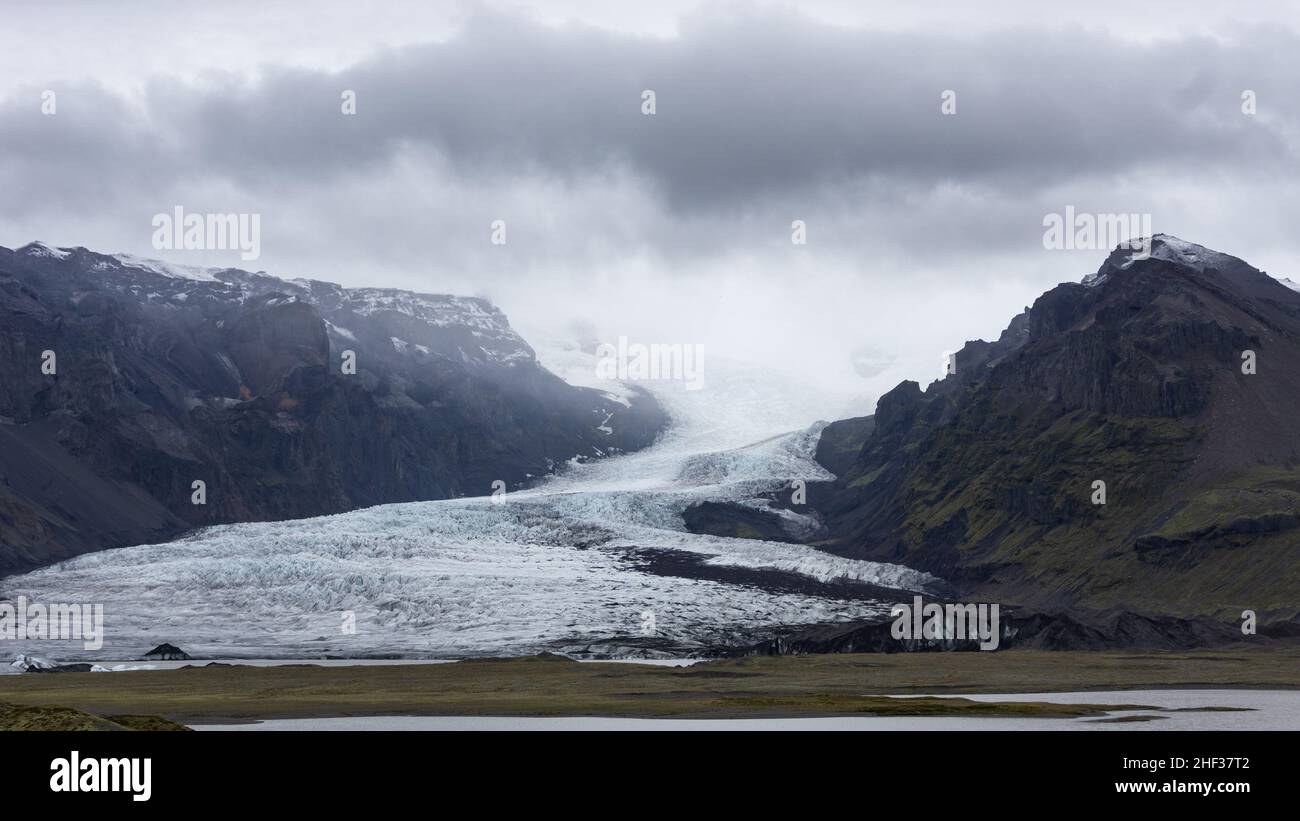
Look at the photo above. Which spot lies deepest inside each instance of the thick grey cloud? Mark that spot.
(679, 223)
(749, 107)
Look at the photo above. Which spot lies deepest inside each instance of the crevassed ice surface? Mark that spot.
(559, 567)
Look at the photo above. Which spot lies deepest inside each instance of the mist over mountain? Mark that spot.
(128, 380)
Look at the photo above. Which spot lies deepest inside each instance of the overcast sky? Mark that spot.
(923, 230)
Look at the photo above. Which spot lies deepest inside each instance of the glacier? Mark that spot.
(559, 567)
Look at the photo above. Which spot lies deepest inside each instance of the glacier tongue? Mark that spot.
(560, 566)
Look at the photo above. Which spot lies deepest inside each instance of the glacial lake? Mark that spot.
(1268, 710)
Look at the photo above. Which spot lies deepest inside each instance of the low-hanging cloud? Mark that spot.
(761, 118)
(749, 107)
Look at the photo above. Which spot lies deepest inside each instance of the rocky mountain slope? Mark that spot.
(1135, 378)
(164, 375)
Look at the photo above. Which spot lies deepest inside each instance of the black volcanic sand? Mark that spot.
(758, 687)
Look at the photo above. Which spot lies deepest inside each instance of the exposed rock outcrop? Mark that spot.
(167, 652)
(1174, 380)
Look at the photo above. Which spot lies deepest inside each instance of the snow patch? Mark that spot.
(343, 332)
(167, 269)
(40, 249)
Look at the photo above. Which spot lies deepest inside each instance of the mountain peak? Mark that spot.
(1166, 248)
(463, 328)
(1173, 249)
(41, 249)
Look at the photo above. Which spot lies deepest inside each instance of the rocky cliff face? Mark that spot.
(1135, 379)
(165, 375)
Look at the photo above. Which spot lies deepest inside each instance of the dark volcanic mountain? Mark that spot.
(1133, 378)
(165, 375)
